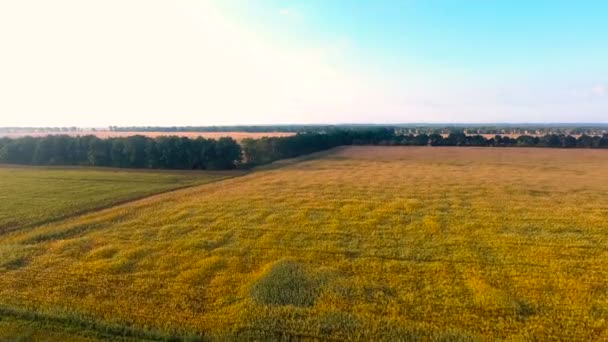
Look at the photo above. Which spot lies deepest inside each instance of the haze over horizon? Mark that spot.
(192, 63)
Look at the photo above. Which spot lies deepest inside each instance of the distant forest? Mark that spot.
(173, 152)
(531, 129)
(264, 150)
(131, 152)
(403, 129)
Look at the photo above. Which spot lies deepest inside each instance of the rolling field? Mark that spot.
(364, 243)
(32, 196)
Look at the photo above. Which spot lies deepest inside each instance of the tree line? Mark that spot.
(502, 129)
(131, 152)
(519, 129)
(412, 128)
(402, 129)
(265, 150)
(173, 152)
(548, 140)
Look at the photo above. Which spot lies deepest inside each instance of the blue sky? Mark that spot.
(472, 35)
(279, 61)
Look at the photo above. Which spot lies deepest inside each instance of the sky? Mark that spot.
(227, 62)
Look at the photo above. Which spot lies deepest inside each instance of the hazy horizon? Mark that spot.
(403, 124)
(230, 62)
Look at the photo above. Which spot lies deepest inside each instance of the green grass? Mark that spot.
(31, 196)
(16, 330)
(25, 325)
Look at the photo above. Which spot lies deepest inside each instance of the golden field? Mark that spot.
(362, 243)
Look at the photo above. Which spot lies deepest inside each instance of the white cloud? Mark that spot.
(599, 90)
(291, 13)
(596, 92)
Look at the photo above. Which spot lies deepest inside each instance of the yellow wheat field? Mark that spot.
(367, 243)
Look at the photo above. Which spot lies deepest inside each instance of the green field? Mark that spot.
(12, 330)
(32, 196)
(363, 243)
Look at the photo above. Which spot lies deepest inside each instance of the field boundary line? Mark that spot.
(91, 327)
(282, 163)
(6, 231)
(279, 164)
(85, 327)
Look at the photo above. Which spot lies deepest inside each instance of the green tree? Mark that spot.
(98, 153)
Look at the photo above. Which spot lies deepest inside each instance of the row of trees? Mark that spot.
(41, 129)
(502, 129)
(236, 128)
(135, 152)
(261, 151)
(225, 153)
(268, 149)
(461, 139)
(404, 129)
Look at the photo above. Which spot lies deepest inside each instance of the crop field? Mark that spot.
(32, 195)
(362, 243)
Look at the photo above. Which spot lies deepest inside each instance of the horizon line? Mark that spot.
(545, 123)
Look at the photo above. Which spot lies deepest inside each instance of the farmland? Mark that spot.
(33, 195)
(368, 243)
